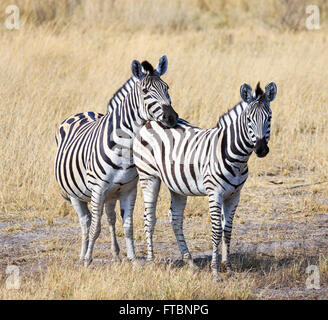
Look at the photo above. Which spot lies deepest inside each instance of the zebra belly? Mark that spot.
(114, 189)
(192, 193)
(115, 184)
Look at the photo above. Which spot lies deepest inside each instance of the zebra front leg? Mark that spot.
(178, 204)
(84, 215)
(215, 205)
(97, 205)
(150, 189)
(111, 218)
(229, 209)
(127, 203)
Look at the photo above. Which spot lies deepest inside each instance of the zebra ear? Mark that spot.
(136, 69)
(246, 93)
(271, 91)
(162, 65)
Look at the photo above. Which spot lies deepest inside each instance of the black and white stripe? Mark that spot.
(94, 158)
(194, 162)
(121, 93)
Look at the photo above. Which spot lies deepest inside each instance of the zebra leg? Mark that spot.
(150, 189)
(97, 205)
(178, 204)
(111, 218)
(215, 205)
(83, 212)
(127, 205)
(229, 209)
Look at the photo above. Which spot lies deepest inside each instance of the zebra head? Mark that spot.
(258, 115)
(156, 102)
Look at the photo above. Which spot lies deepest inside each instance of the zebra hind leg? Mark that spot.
(229, 208)
(215, 205)
(150, 189)
(84, 215)
(178, 204)
(97, 205)
(127, 202)
(111, 218)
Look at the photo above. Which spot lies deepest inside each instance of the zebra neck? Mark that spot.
(121, 94)
(233, 127)
(127, 117)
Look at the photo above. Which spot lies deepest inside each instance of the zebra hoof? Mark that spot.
(116, 259)
(115, 251)
(225, 267)
(192, 265)
(133, 261)
(87, 262)
(150, 260)
(137, 263)
(128, 260)
(216, 277)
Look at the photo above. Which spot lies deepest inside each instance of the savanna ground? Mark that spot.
(71, 56)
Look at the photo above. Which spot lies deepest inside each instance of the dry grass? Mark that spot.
(71, 56)
(105, 282)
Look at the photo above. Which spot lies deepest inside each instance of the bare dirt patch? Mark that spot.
(272, 244)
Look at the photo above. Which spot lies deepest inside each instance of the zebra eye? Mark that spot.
(145, 91)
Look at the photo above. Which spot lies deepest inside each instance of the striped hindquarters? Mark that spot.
(73, 139)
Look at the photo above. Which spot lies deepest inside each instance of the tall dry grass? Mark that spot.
(46, 75)
(66, 280)
(71, 56)
(164, 15)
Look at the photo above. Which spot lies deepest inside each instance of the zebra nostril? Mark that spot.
(170, 116)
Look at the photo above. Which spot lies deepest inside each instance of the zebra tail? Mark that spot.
(65, 196)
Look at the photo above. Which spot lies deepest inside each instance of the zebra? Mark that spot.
(195, 162)
(122, 92)
(94, 154)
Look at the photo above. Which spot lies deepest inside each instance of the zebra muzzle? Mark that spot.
(170, 117)
(261, 148)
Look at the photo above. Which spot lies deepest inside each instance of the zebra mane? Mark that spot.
(121, 93)
(127, 87)
(148, 67)
(258, 95)
(258, 91)
(226, 113)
